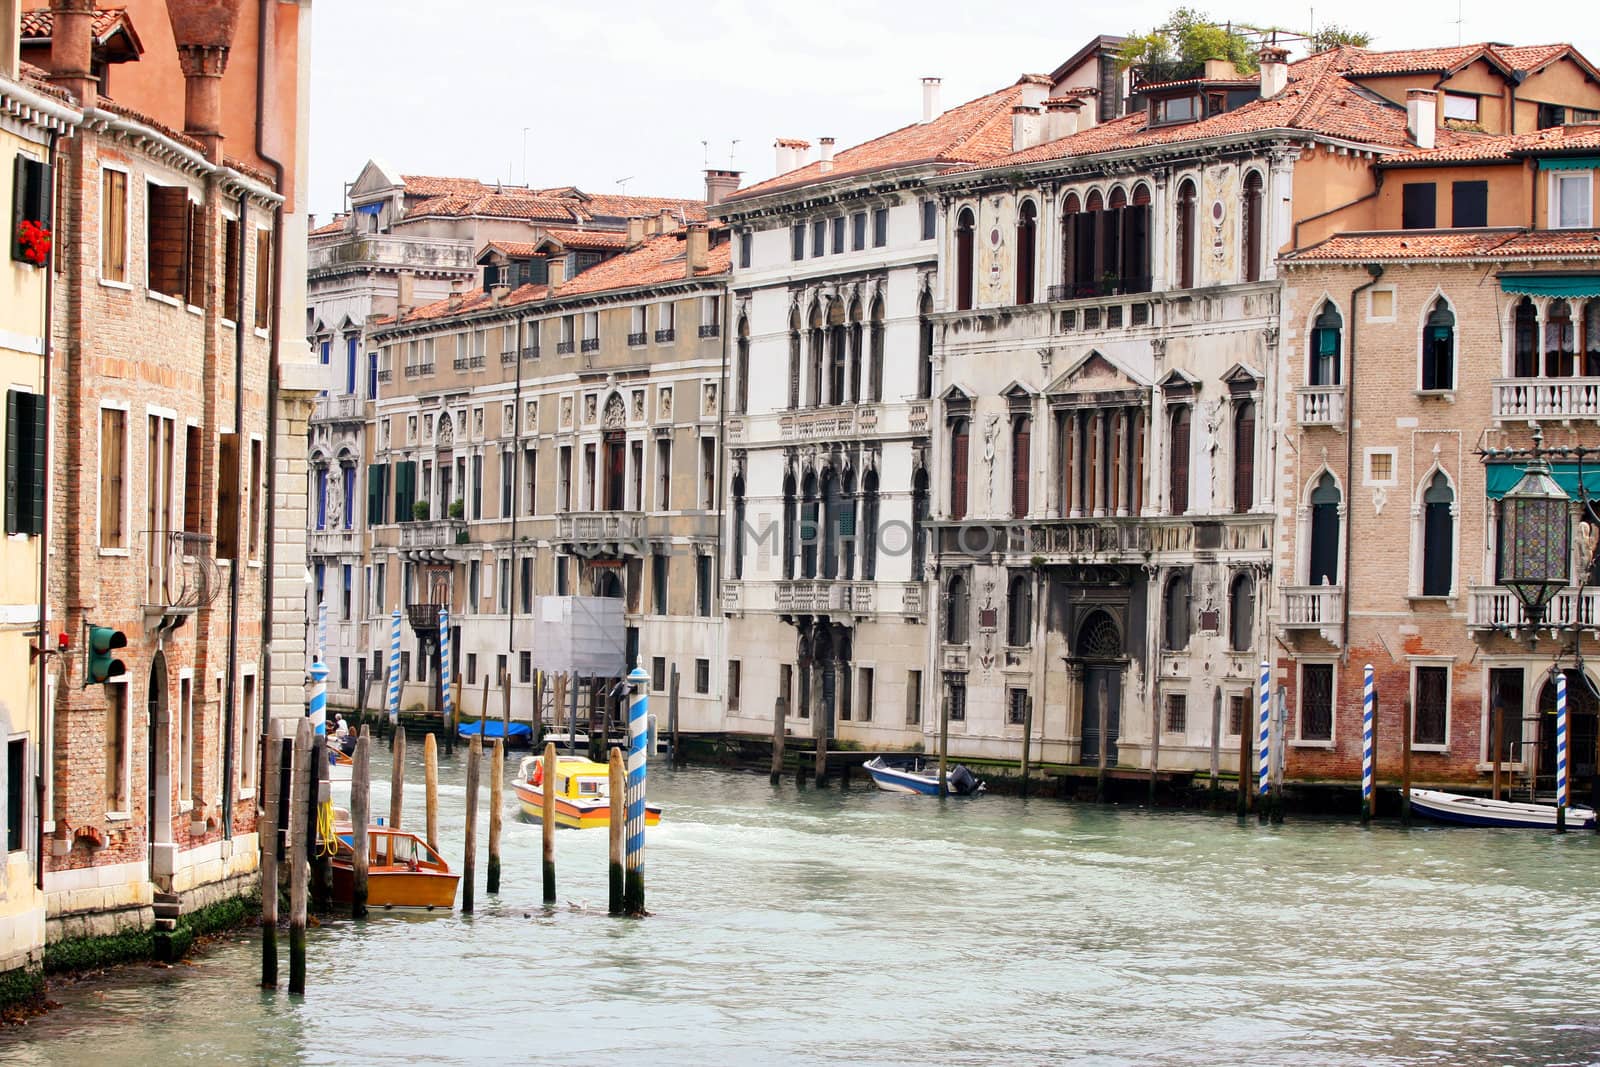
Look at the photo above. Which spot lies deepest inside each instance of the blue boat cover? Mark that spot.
(491, 728)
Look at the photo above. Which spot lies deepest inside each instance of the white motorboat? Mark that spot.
(1481, 811)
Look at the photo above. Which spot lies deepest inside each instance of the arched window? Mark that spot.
(794, 360)
(1525, 339)
(791, 518)
(1175, 613)
(1438, 537)
(1591, 339)
(808, 527)
(925, 348)
(815, 368)
(1326, 346)
(1027, 254)
(921, 508)
(322, 496)
(847, 525)
(1439, 347)
(958, 468)
(738, 525)
(1111, 265)
(1323, 559)
(1019, 611)
(955, 611)
(1091, 245)
(347, 471)
(965, 225)
(838, 340)
(1072, 239)
(1183, 249)
(830, 524)
(875, 352)
(741, 368)
(1560, 340)
(1021, 464)
(1250, 235)
(1244, 456)
(855, 355)
(1178, 460)
(1241, 613)
(869, 526)
(1136, 242)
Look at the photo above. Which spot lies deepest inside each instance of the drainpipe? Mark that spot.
(44, 543)
(228, 704)
(263, 53)
(511, 608)
(1375, 270)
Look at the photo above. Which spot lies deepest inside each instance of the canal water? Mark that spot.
(860, 927)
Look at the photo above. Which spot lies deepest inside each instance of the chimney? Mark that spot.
(203, 31)
(1274, 70)
(1024, 127)
(783, 157)
(10, 39)
(1079, 117)
(930, 99)
(636, 225)
(1421, 116)
(1035, 87)
(556, 274)
(719, 183)
(458, 293)
(405, 299)
(669, 221)
(498, 293)
(71, 42)
(1059, 121)
(1221, 70)
(826, 153)
(695, 247)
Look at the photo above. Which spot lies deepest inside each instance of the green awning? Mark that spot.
(1570, 163)
(1570, 286)
(1501, 478)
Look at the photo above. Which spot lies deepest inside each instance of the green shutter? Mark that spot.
(13, 441)
(38, 420)
(373, 489)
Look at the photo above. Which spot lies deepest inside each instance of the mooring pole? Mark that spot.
(547, 821)
(617, 826)
(1104, 720)
(321, 793)
(1405, 762)
(299, 825)
(272, 789)
(1155, 750)
(1368, 709)
(360, 819)
(1499, 741)
(447, 689)
(944, 743)
(638, 711)
(430, 789)
(1244, 761)
(394, 675)
(1216, 739)
(397, 779)
(1561, 752)
(497, 776)
(672, 718)
(1264, 740)
(469, 861)
(779, 714)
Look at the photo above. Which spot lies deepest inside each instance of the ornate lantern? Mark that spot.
(1535, 540)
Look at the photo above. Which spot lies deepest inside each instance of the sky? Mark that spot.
(621, 94)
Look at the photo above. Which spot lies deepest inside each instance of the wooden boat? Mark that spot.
(1481, 811)
(913, 774)
(402, 872)
(582, 793)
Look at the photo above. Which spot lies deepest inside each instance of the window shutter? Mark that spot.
(1179, 482)
(192, 505)
(195, 244)
(1244, 457)
(230, 271)
(228, 496)
(374, 473)
(13, 442)
(958, 473)
(1021, 452)
(36, 461)
(167, 246)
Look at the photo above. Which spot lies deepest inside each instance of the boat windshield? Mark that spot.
(591, 787)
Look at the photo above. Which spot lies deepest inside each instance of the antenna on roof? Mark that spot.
(622, 183)
(705, 154)
(1459, 20)
(732, 147)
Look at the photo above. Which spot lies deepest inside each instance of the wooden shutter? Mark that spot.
(263, 294)
(167, 245)
(30, 197)
(228, 496)
(374, 492)
(113, 425)
(193, 510)
(194, 257)
(114, 226)
(1021, 457)
(1244, 456)
(958, 472)
(230, 270)
(1179, 467)
(13, 459)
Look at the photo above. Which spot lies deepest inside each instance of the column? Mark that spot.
(1072, 501)
(1130, 452)
(1102, 464)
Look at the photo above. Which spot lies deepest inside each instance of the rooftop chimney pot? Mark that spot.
(930, 98)
(1274, 70)
(719, 183)
(1422, 121)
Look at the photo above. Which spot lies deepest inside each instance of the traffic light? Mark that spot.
(100, 666)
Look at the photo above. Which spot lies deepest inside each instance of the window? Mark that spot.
(1027, 250)
(1325, 368)
(1560, 340)
(1251, 234)
(193, 506)
(26, 462)
(1469, 204)
(658, 673)
(956, 696)
(1175, 613)
(1571, 199)
(838, 234)
(117, 744)
(746, 242)
(263, 294)
(183, 746)
(1184, 250)
(1525, 339)
(864, 695)
(1177, 109)
(113, 476)
(1241, 613)
(664, 475)
(472, 667)
(168, 232)
(965, 225)
(1323, 559)
(1178, 460)
(958, 468)
(708, 472)
(564, 478)
(249, 731)
(508, 483)
(858, 231)
(1316, 702)
(114, 225)
(956, 611)
(930, 215)
(1418, 205)
(797, 241)
(561, 576)
(1016, 707)
(347, 595)
(734, 680)
(231, 253)
(1431, 699)
(913, 698)
(1460, 107)
(1177, 717)
(666, 322)
(702, 676)
(1438, 348)
(1238, 714)
(703, 584)
(880, 227)
(524, 667)
(924, 349)
(1021, 463)
(503, 600)
(869, 525)
(658, 583)
(819, 237)
(473, 591)
(1438, 537)
(1244, 455)
(741, 368)
(530, 479)
(1019, 611)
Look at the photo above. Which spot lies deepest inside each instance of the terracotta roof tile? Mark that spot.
(595, 240)
(108, 104)
(1531, 57)
(974, 132)
(617, 206)
(1417, 60)
(532, 208)
(425, 185)
(39, 24)
(336, 226)
(1481, 148)
(1401, 245)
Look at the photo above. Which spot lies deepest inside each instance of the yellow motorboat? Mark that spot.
(582, 792)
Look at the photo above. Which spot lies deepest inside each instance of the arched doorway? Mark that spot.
(607, 583)
(1583, 717)
(1099, 649)
(158, 765)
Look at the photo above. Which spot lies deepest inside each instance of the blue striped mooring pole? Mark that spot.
(394, 668)
(1561, 752)
(1264, 760)
(318, 711)
(446, 699)
(1369, 702)
(322, 632)
(633, 845)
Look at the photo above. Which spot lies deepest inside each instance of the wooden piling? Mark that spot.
(1155, 750)
(548, 823)
(361, 692)
(1100, 773)
(320, 850)
(536, 730)
(944, 744)
(1027, 739)
(618, 821)
(299, 824)
(672, 713)
(1499, 742)
(360, 819)
(497, 778)
(1405, 761)
(819, 725)
(1244, 768)
(269, 864)
(505, 707)
(780, 714)
(483, 710)
(1216, 739)
(469, 859)
(572, 712)
(397, 778)
(430, 789)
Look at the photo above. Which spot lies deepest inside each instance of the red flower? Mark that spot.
(34, 242)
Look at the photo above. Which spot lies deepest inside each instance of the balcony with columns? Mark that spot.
(1313, 607)
(825, 596)
(1545, 398)
(1497, 608)
(1320, 405)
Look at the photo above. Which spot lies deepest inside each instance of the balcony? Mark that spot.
(335, 542)
(823, 424)
(564, 348)
(603, 532)
(711, 329)
(431, 539)
(1126, 539)
(637, 339)
(508, 357)
(1495, 608)
(530, 352)
(360, 252)
(1545, 398)
(1313, 607)
(386, 375)
(477, 362)
(1320, 405)
(339, 409)
(590, 344)
(1110, 285)
(181, 573)
(666, 337)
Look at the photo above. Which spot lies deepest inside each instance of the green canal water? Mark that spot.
(860, 927)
